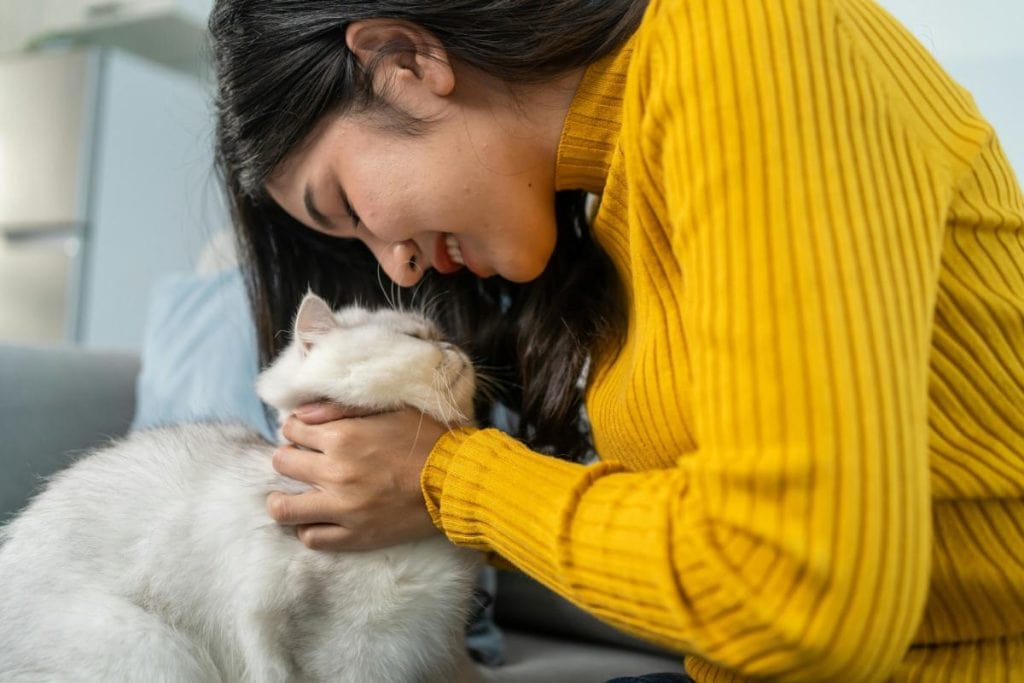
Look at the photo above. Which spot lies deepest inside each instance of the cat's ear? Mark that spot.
(314, 319)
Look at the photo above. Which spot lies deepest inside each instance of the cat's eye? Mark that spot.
(424, 333)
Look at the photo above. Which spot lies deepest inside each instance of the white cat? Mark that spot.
(154, 559)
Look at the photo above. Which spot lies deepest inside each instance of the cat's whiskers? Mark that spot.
(396, 297)
(488, 381)
(441, 412)
(434, 305)
(416, 438)
(415, 292)
(281, 333)
(380, 285)
(451, 401)
(387, 290)
(488, 385)
(428, 308)
(443, 390)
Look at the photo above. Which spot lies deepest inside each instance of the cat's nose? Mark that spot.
(454, 354)
(403, 262)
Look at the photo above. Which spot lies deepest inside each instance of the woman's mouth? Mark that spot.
(454, 250)
(448, 258)
(447, 255)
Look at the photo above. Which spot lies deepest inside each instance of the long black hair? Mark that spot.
(283, 65)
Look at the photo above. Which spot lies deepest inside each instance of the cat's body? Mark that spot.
(155, 559)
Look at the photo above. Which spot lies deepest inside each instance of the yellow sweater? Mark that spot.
(812, 442)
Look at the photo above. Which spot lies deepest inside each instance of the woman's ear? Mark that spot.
(407, 59)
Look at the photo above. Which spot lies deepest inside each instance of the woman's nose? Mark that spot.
(402, 261)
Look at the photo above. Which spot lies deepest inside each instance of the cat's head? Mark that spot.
(373, 360)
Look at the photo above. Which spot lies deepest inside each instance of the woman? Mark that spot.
(803, 293)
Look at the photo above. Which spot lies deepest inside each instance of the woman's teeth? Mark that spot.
(454, 251)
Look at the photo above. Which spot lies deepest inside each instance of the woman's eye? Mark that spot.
(353, 215)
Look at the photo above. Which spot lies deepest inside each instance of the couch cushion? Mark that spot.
(56, 402)
(533, 658)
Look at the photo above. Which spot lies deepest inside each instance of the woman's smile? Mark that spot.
(454, 251)
(447, 255)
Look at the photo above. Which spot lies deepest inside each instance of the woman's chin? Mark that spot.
(522, 273)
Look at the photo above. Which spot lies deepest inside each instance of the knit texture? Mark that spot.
(811, 442)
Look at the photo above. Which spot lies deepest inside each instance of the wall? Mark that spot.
(981, 44)
(14, 16)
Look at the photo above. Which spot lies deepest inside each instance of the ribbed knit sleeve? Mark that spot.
(777, 203)
(802, 528)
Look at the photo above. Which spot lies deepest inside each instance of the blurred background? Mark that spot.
(106, 135)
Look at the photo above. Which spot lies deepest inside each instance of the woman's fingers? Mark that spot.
(318, 437)
(311, 507)
(325, 537)
(306, 512)
(326, 411)
(302, 465)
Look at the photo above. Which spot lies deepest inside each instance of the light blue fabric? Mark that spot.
(199, 359)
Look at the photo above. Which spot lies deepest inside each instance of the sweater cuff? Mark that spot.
(436, 469)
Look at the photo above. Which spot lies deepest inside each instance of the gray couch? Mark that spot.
(58, 402)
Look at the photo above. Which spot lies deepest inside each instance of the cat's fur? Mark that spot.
(154, 559)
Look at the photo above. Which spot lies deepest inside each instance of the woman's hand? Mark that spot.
(365, 471)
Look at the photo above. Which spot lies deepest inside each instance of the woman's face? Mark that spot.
(468, 192)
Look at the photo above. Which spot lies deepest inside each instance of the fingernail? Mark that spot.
(306, 408)
(275, 459)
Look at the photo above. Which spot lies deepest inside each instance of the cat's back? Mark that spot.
(91, 514)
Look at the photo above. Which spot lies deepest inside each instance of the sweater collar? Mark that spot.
(591, 130)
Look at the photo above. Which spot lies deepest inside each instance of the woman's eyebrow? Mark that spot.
(314, 213)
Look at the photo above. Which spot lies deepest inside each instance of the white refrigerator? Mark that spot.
(106, 185)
